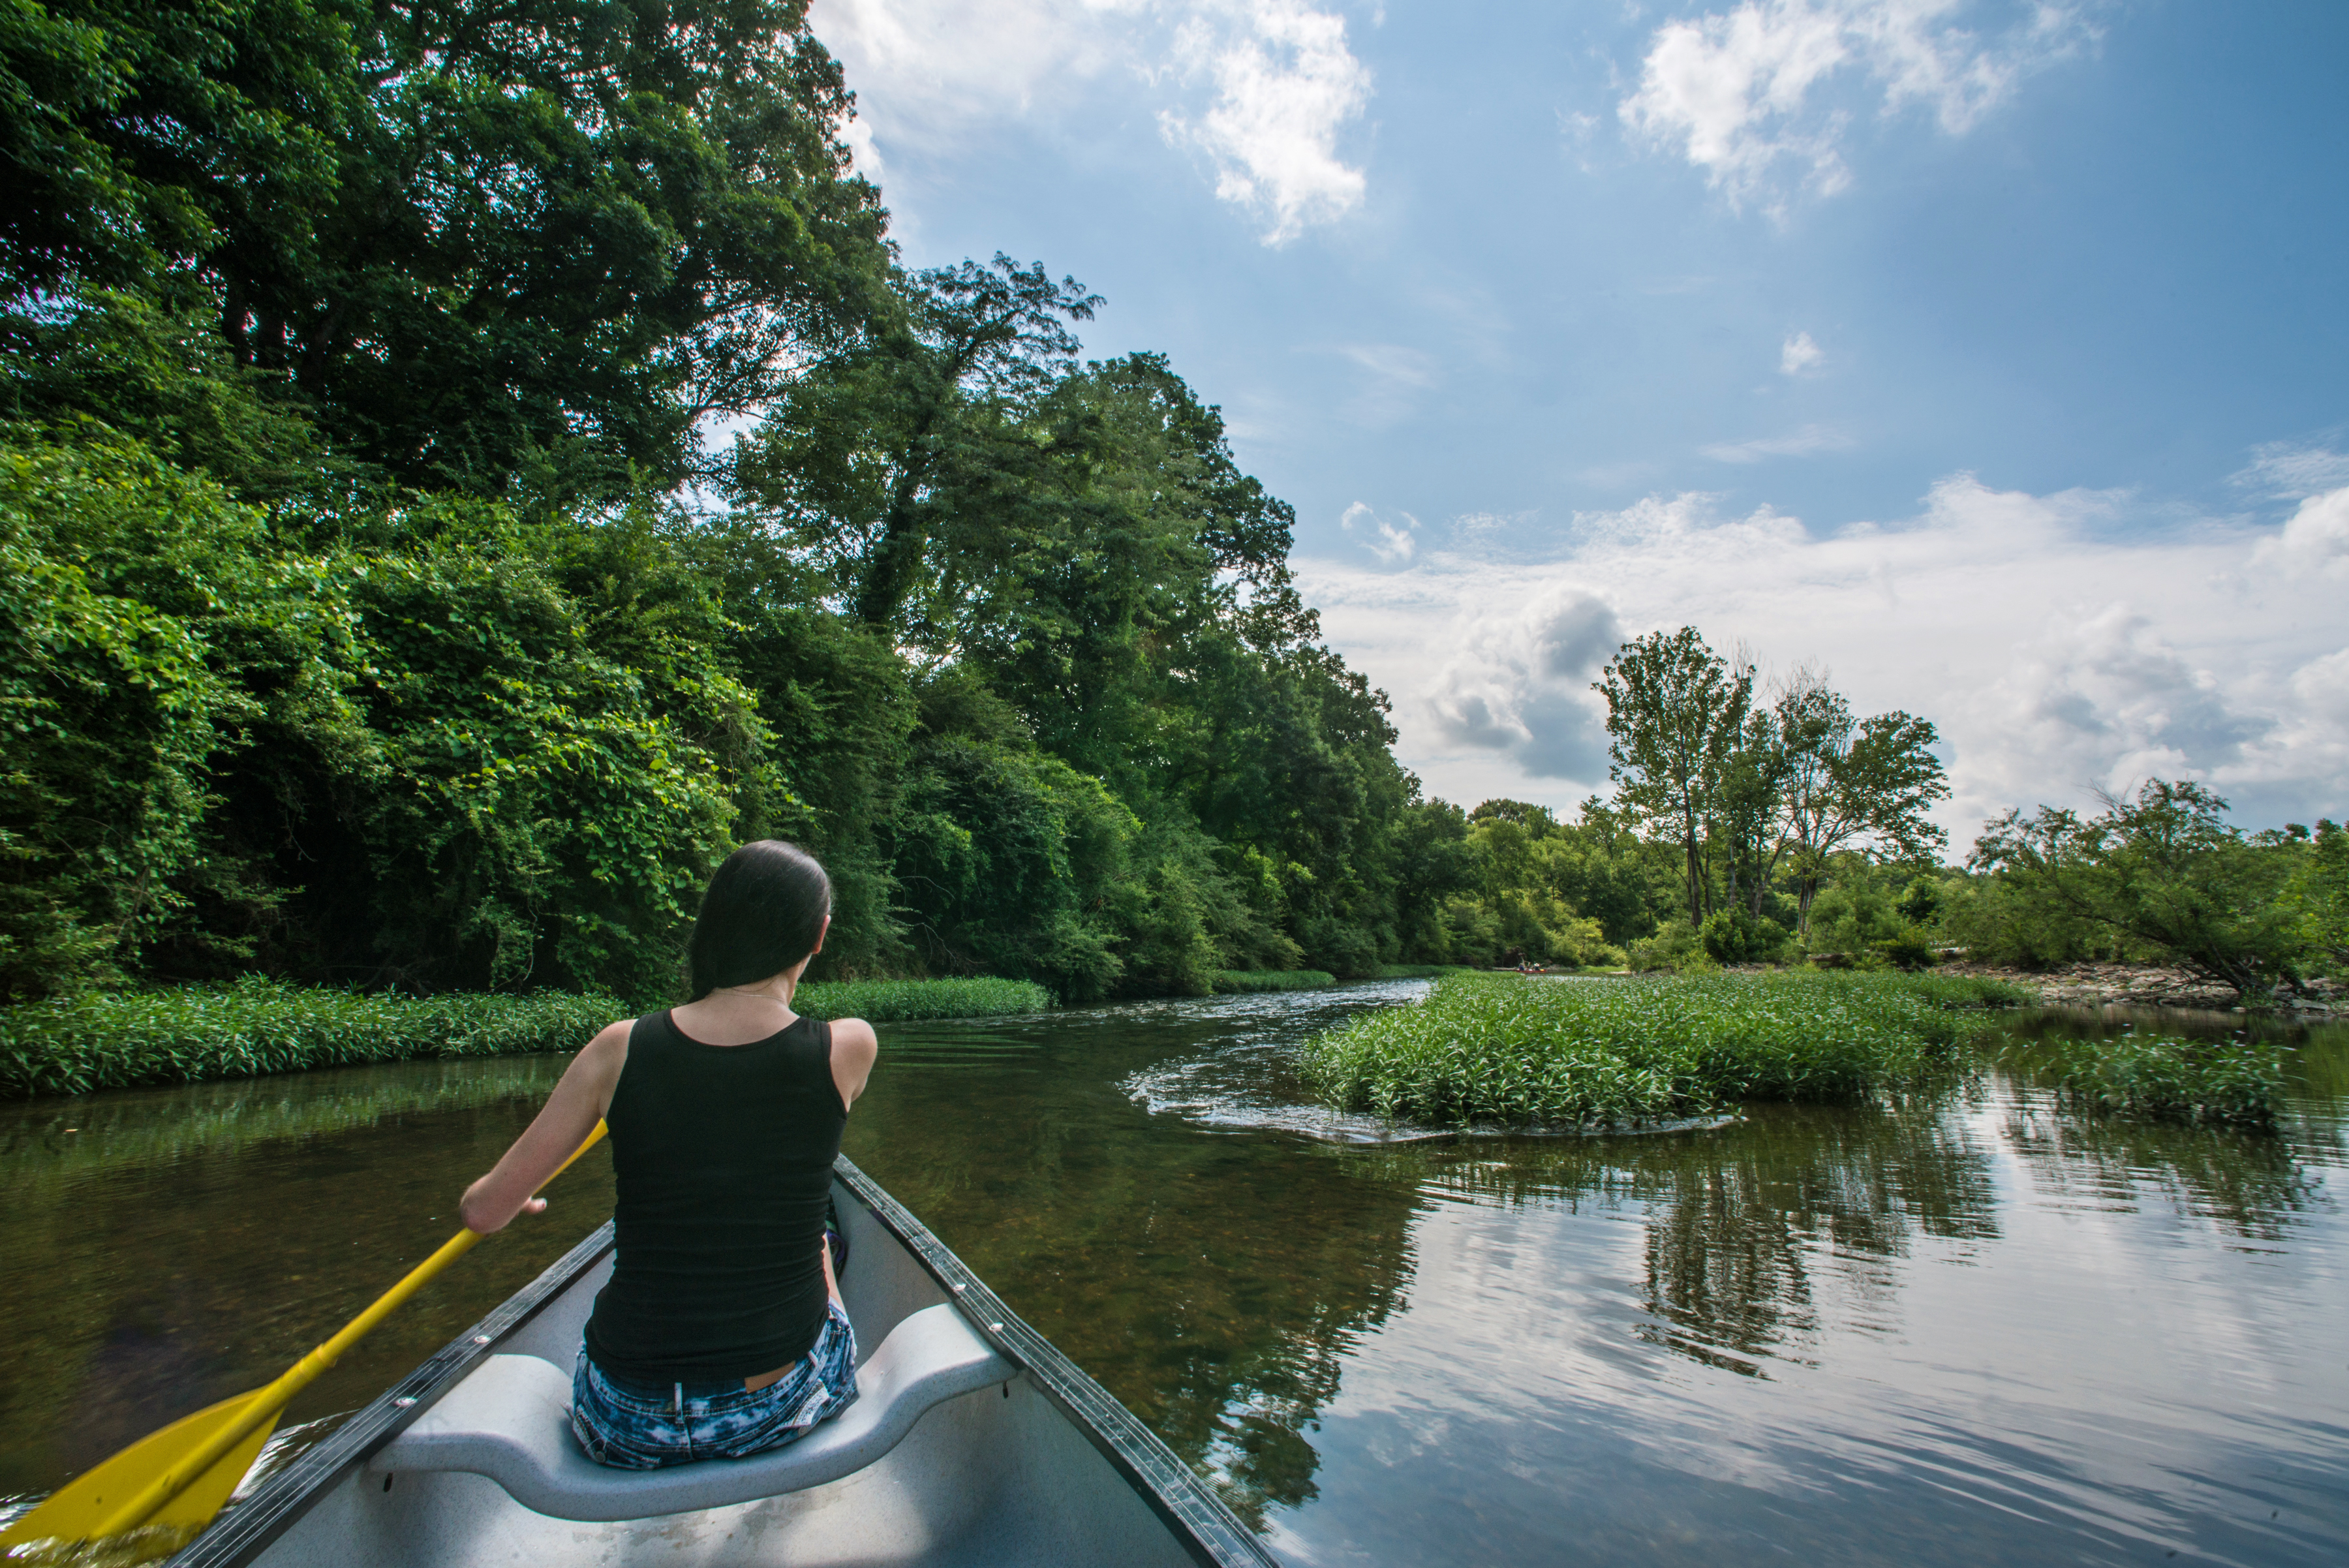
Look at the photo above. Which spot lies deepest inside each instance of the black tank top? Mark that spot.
(723, 1159)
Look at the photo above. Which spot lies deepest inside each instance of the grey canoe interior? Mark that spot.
(973, 1441)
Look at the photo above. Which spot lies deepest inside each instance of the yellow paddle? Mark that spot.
(166, 1486)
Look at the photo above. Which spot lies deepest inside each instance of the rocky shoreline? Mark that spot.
(2146, 985)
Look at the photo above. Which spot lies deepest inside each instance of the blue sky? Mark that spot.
(1992, 357)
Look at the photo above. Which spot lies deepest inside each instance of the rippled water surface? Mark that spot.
(1967, 1330)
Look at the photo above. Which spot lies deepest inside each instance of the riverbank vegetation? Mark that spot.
(2235, 1083)
(100, 1039)
(1236, 981)
(1774, 826)
(185, 1034)
(1502, 1051)
(913, 1000)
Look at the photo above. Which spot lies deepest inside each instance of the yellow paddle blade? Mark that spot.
(58, 1529)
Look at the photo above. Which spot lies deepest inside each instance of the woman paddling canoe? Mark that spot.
(721, 1332)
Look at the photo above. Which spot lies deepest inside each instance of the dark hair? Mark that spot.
(762, 912)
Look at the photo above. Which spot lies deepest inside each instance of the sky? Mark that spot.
(1991, 358)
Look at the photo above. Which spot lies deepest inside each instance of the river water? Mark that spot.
(1965, 1330)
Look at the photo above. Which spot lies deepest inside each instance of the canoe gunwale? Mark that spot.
(1198, 1519)
(247, 1528)
(1207, 1527)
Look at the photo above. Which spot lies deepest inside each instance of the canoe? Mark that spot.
(973, 1441)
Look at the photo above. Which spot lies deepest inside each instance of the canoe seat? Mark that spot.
(509, 1419)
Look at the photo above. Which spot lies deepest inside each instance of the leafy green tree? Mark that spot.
(2317, 894)
(2165, 869)
(515, 251)
(1853, 784)
(1676, 712)
(136, 598)
(861, 463)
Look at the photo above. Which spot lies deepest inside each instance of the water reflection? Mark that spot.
(1218, 1285)
(166, 1248)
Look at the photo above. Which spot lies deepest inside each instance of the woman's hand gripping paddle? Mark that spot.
(164, 1488)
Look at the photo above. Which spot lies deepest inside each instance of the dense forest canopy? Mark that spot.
(378, 610)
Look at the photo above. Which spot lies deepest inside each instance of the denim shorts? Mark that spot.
(633, 1425)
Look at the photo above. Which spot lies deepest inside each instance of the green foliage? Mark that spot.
(1504, 1050)
(509, 256)
(2315, 897)
(1418, 971)
(1734, 935)
(1909, 949)
(1676, 713)
(72, 1045)
(139, 603)
(1676, 946)
(2164, 871)
(1234, 981)
(914, 1001)
(2159, 1079)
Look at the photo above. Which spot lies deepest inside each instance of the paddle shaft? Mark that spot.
(267, 1402)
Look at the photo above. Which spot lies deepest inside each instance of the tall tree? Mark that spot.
(857, 461)
(503, 248)
(1675, 713)
(1853, 784)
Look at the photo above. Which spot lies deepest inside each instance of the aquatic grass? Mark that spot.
(1231, 981)
(187, 1035)
(1420, 971)
(1510, 1051)
(914, 1001)
(2234, 1082)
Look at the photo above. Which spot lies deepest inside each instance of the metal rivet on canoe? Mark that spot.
(405, 1400)
(480, 1339)
(995, 1327)
(960, 1287)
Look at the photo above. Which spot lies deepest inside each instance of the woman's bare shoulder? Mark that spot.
(854, 1035)
(602, 1058)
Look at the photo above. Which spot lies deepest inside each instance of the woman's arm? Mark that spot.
(571, 1113)
(854, 1047)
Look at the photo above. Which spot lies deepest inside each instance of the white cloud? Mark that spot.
(1799, 356)
(2292, 470)
(1803, 443)
(1383, 539)
(1734, 90)
(1265, 90)
(2315, 540)
(1520, 685)
(1394, 376)
(2058, 650)
(1286, 85)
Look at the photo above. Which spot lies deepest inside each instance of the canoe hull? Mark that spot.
(1043, 1468)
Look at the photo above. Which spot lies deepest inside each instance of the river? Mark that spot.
(1963, 1330)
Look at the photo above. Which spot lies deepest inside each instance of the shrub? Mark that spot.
(100, 1039)
(1494, 1049)
(1420, 971)
(1675, 946)
(1908, 950)
(910, 1001)
(1230, 980)
(1735, 936)
(2159, 1078)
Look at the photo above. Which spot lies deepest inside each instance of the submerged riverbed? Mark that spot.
(1964, 1330)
